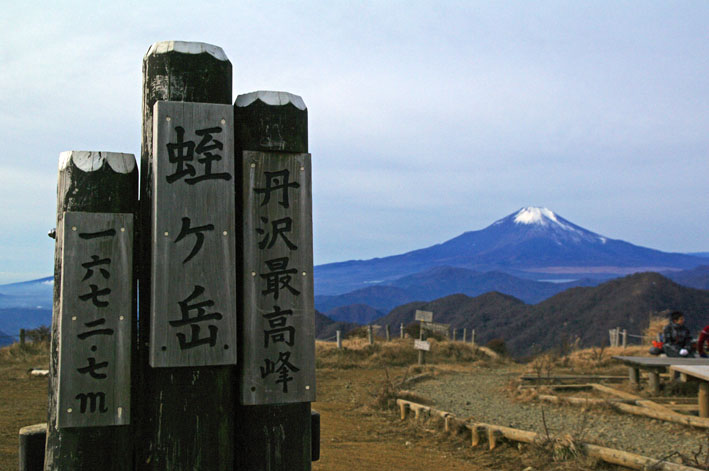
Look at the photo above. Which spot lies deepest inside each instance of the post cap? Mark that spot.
(187, 47)
(270, 98)
(90, 161)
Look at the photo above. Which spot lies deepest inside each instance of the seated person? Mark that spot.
(703, 337)
(676, 337)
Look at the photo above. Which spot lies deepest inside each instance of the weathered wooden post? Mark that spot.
(370, 334)
(472, 336)
(703, 399)
(625, 338)
(453, 338)
(401, 330)
(421, 345)
(32, 441)
(387, 332)
(94, 314)
(465, 334)
(187, 400)
(338, 333)
(22, 337)
(276, 344)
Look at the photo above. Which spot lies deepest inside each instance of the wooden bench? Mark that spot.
(654, 366)
(699, 373)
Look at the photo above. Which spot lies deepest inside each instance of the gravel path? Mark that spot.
(482, 395)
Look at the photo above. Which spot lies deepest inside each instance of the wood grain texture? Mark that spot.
(277, 355)
(193, 298)
(95, 320)
(187, 413)
(87, 448)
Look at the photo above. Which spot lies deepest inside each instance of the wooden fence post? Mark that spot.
(339, 339)
(22, 337)
(472, 336)
(90, 182)
(274, 424)
(32, 440)
(187, 413)
(370, 334)
(401, 330)
(625, 338)
(465, 334)
(454, 333)
(387, 333)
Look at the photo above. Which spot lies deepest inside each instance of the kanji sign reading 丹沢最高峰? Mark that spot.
(279, 357)
(95, 320)
(193, 300)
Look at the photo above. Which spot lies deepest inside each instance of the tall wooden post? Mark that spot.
(338, 333)
(89, 182)
(387, 332)
(401, 330)
(187, 413)
(276, 336)
(422, 353)
(465, 334)
(453, 338)
(370, 334)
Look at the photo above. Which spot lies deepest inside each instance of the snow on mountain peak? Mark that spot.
(535, 215)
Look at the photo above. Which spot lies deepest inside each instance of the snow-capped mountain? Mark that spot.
(533, 242)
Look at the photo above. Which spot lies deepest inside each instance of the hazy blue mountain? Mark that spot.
(436, 283)
(378, 297)
(695, 278)
(26, 305)
(6, 339)
(12, 319)
(533, 243)
(356, 313)
(442, 281)
(37, 294)
(699, 254)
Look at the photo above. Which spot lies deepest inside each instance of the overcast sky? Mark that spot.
(427, 119)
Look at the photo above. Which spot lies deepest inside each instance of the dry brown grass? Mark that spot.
(657, 323)
(24, 398)
(358, 353)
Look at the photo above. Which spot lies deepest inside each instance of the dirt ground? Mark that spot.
(356, 434)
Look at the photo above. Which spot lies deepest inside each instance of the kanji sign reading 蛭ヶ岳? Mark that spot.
(96, 296)
(193, 301)
(279, 357)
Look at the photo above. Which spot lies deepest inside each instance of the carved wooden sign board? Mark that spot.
(278, 364)
(95, 320)
(193, 300)
(423, 316)
(437, 327)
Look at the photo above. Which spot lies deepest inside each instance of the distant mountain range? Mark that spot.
(585, 312)
(533, 243)
(26, 305)
(441, 281)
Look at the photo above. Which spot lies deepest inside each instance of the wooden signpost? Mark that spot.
(278, 280)
(421, 345)
(193, 298)
(187, 412)
(277, 347)
(94, 316)
(95, 320)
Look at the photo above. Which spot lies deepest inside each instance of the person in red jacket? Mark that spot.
(703, 337)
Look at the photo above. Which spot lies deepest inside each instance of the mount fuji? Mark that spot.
(532, 243)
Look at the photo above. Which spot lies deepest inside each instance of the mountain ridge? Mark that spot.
(531, 243)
